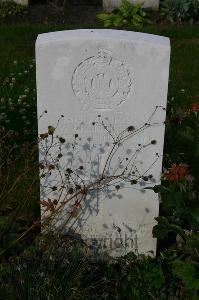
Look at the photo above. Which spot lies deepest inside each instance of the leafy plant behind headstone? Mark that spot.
(128, 14)
(180, 10)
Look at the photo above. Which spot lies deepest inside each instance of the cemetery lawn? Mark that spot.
(39, 267)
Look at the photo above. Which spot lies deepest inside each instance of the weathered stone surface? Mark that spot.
(107, 84)
(108, 5)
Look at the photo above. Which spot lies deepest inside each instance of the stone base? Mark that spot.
(108, 5)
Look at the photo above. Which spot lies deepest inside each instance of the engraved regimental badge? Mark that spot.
(101, 81)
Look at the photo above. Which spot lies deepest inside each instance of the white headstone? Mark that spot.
(108, 5)
(110, 86)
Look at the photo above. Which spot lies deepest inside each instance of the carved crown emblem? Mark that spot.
(101, 81)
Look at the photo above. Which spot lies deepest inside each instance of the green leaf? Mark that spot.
(195, 215)
(187, 272)
(164, 227)
(3, 220)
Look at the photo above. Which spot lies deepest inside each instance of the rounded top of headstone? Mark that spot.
(95, 34)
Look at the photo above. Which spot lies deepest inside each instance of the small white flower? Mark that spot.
(22, 96)
(15, 145)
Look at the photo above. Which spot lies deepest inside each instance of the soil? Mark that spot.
(77, 12)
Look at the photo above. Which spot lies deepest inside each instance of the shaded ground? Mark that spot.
(76, 12)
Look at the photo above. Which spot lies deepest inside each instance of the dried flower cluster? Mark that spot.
(67, 185)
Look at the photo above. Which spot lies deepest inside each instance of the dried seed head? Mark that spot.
(51, 130)
(54, 188)
(51, 167)
(41, 166)
(131, 128)
(153, 142)
(71, 191)
(119, 229)
(62, 140)
(43, 135)
(133, 181)
(69, 171)
(117, 187)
